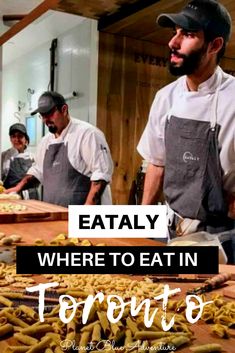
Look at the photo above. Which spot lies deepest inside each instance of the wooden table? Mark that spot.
(48, 230)
(30, 211)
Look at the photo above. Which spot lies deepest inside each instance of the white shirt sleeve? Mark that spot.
(152, 145)
(96, 155)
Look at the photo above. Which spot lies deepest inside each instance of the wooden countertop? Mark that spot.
(15, 211)
(202, 332)
(49, 230)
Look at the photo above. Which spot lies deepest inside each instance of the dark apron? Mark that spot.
(193, 176)
(18, 169)
(62, 184)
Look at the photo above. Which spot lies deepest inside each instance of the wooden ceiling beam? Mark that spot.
(32, 16)
(125, 10)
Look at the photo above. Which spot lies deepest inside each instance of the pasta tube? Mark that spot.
(205, 348)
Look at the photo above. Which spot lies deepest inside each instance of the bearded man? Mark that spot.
(189, 140)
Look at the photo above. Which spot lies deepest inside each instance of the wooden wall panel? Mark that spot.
(130, 73)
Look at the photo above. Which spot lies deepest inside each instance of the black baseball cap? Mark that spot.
(18, 127)
(47, 101)
(207, 15)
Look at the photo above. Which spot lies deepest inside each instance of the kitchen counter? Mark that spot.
(31, 231)
(50, 229)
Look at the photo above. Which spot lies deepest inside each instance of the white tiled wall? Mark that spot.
(29, 71)
(77, 55)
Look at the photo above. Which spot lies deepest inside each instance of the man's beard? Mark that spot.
(190, 62)
(53, 129)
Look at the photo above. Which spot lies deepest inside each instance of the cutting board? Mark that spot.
(35, 211)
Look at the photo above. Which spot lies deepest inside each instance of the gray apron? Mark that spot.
(62, 184)
(17, 170)
(193, 184)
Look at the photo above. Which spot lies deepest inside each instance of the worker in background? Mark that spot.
(16, 161)
(189, 138)
(73, 160)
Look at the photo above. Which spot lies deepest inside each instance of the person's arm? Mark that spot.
(95, 153)
(27, 181)
(152, 184)
(95, 193)
(231, 206)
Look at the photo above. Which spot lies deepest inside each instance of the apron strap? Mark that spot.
(214, 106)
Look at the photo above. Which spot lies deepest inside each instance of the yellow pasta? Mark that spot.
(96, 334)
(131, 325)
(29, 312)
(128, 337)
(27, 340)
(156, 345)
(143, 348)
(51, 319)
(14, 320)
(71, 330)
(90, 326)
(149, 335)
(3, 320)
(55, 337)
(39, 242)
(84, 341)
(77, 294)
(61, 236)
(220, 330)
(5, 301)
(179, 341)
(48, 350)
(5, 329)
(85, 242)
(16, 349)
(33, 330)
(104, 322)
(15, 237)
(131, 329)
(38, 347)
(57, 327)
(205, 348)
(207, 315)
(58, 350)
(12, 295)
(53, 312)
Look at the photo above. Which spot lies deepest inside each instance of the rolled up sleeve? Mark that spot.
(152, 144)
(96, 154)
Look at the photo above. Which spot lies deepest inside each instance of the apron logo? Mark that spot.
(55, 163)
(187, 156)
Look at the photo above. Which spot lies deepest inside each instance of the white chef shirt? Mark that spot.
(175, 99)
(88, 153)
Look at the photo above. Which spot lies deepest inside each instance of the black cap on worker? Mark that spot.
(47, 101)
(20, 128)
(207, 15)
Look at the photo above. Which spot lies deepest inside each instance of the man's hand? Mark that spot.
(27, 180)
(8, 191)
(95, 193)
